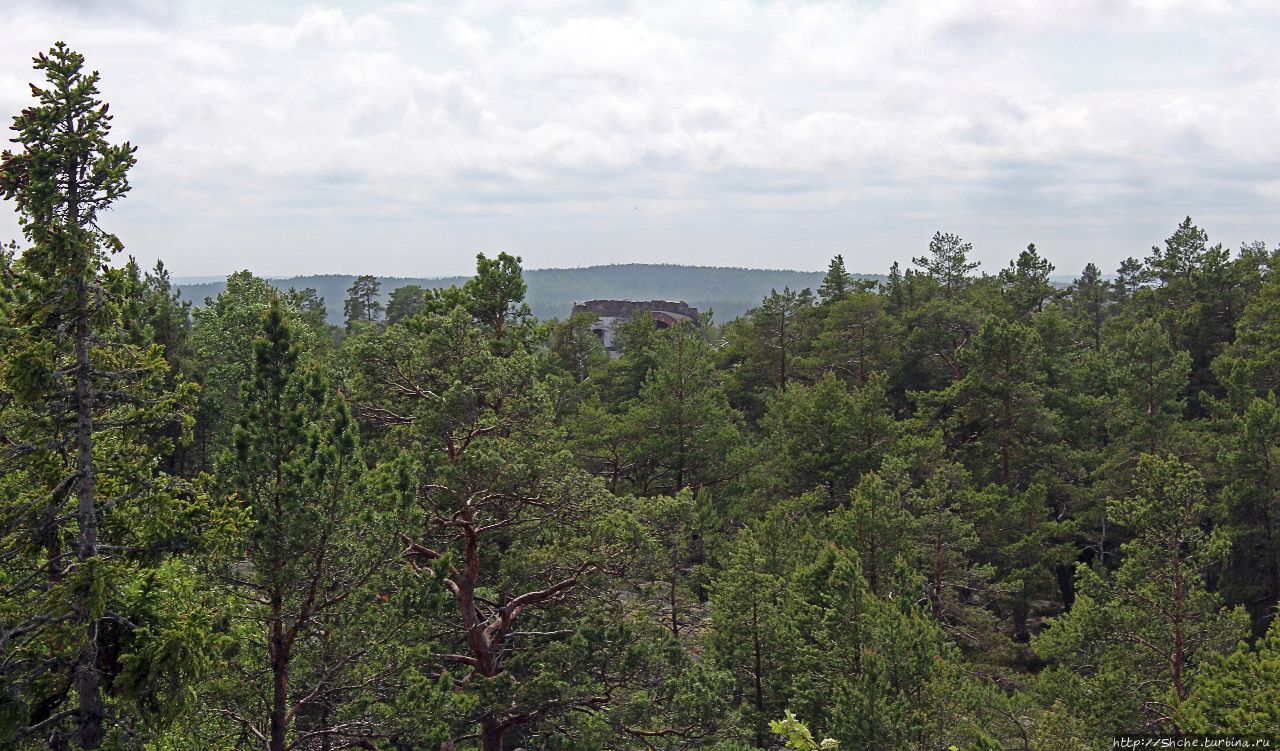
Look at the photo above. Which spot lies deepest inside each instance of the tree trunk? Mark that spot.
(326, 740)
(88, 682)
(1065, 574)
(873, 561)
(279, 677)
(758, 654)
(1021, 611)
(1005, 448)
(1004, 458)
(862, 354)
(1179, 658)
(675, 622)
(491, 733)
(782, 350)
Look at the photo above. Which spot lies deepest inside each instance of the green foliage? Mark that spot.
(797, 735)
(1136, 637)
(1026, 284)
(91, 529)
(222, 354)
(1000, 402)
(1249, 457)
(315, 549)
(855, 338)
(948, 262)
(1148, 377)
(1088, 303)
(576, 349)
(495, 295)
(685, 427)
(766, 350)
(827, 435)
(362, 306)
(1239, 693)
(1250, 365)
(405, 302)
(837, 283)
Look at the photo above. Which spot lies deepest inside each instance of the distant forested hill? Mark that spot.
(730, 292)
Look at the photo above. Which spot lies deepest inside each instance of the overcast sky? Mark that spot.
(402, 138)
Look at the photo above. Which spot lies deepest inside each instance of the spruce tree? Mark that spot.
(91, 408)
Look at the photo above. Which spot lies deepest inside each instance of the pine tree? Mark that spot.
(1250, 366)
(1087, 300)
(685, 428)
(752, 634)
(495, 295)
(937, 325)
(405, 302)
(1135, 638)
(827, 435)
(1130, 277)
(855, 337)
(1197, 301)
(1249, 458)
(222, 336)
(1175, 265)
(837, 283)
(769, 343)
(672, 522)
(997, 411)
(863, 662)
(310, 307)
(944, 543)
(1148, 377)
(1026, 283)
(362, 306)
(878, 527)
(314, 547)
(515, 531)
(948, 262)
(577, 350)
(1238, 694)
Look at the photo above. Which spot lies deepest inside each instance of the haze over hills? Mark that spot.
(729, 292)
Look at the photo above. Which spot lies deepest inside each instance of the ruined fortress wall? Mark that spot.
(629, 308)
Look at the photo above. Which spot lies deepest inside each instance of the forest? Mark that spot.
(950, 509)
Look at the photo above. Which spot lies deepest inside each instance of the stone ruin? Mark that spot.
(665, 313)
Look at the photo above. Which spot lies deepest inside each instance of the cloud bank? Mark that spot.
(402, 138)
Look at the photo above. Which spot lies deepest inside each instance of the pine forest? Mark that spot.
(950, 507)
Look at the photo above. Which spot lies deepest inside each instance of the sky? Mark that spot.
(402, 138)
